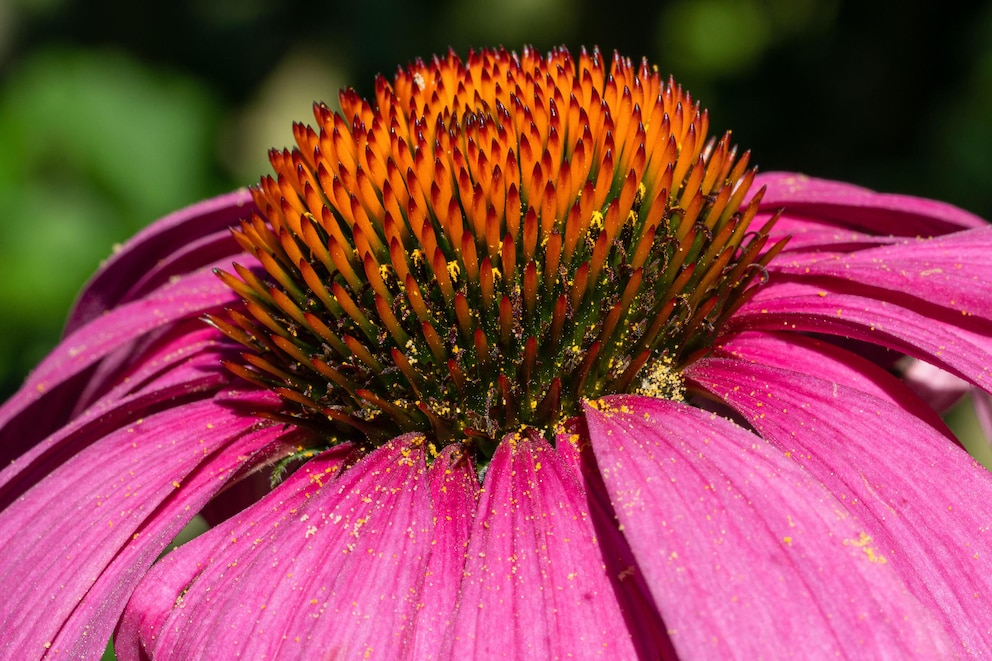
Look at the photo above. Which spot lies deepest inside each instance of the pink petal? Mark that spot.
(956, 343)
(982, 402)
(50, 393)
(950, 271)
(934, 386)
(746, 554)
(82, 538)
(321, 566)
(535, 585)
(454, 496)
(152, 603)
(837, 365)
(196, 377)
(144, 253)
(640, 612)
(821, 203)
(191, 347)
(913, 492)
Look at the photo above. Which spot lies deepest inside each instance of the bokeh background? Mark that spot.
(115, 112)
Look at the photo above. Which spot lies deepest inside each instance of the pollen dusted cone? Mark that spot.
(490, 242)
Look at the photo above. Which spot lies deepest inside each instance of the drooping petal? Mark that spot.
(50, 393)
(186, 374)
(454, 498)
(821, 212)
(954, 342)
(640, 612)
(152, 603)
(319, 567)
(79, 541)
(176, 352)
(535, 585)
(747, 555)
(982, 403)
(832, 363)
(870, 453)
(934, 386)
(949, 271)
(141, 263)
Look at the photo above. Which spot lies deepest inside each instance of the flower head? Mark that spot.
(511, 360)
(488, 243)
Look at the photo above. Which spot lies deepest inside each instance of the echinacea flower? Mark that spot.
(510, 361)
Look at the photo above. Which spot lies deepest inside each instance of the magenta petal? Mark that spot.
(41, 405)
(747, 555)
(832, 363)
(152, 604)
(934, 386)
(918, 496)
(982, 402)
(454, 496)
(194, 378)
(641, 614)
(319, 567)
(848, 206)
(535, 585)
(160, 242)
(82, 538)
(949, 271)
(956, 343)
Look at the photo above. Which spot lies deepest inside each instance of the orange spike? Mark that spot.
(409, 373)
(416, 299)
(530, 291)
(353, 311)
(487, 284)
(287, 305)
(326, 334)
(530, 235)
(548, 207)
(687, 155)
(513, 210)
(434, 343)
(469, 258)
(439, 266)
(373, 276)
(342, 264)
(245, 290)
(390, 321)
(506, 325)
(579, 283)
(464, 316)
(509, 260)
(604, 180)
(598, 257)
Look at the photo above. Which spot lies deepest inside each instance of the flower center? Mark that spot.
(488, 242)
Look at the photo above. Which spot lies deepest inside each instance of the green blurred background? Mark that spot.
(113, 112)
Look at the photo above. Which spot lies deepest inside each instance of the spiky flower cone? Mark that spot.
(489, 242)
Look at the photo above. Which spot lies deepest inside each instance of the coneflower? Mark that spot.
(512, 360)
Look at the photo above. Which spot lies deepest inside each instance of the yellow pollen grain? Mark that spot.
(661, 379)
(863, 542)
